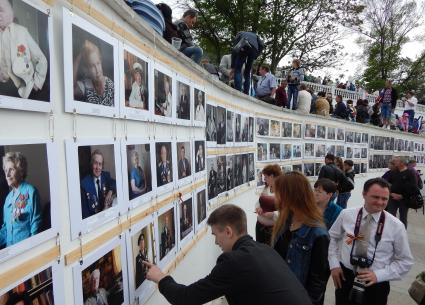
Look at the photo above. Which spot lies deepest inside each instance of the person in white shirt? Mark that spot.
(199, 106)
(368, 248)
(410, 106)
(139, 92)
(303, 100)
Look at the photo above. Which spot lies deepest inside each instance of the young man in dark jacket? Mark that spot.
(246, 273)
(347, 186)
(184, 25)
(340, 109)
(332, 172)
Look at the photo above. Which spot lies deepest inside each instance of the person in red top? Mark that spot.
(281, 96)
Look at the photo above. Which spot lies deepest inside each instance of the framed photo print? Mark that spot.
(262, 152)
(137, 160)
(185, 212)
(211, 128)
(331, 134)
(184, 163)
(287, 130)
(221, 175)
(136, 85)
(212, 177)
(330, 149)
(26, 79)
(251, 129)
(102, 277)
(275, 128)
(245, 128)
(95, 183)
(317, 168)
(340, 151)
(164, 163)
(310, 131)
(262, 127)
(340, 134)
(221, 125)
(274, 151)
(230, 127)
(320, 150)
(200, 196)
(297, 130)
(140, 248)
(297, 167)
(321, 132)
(238, 178)
(199, 158)
(229, 173)
(296, 151)
(238, 128)
(183, 104)
(308, 150)
(28, 195)
(286, 151)
(309, 169)
(92, 81)
(164, 94)
(349, 137)
(260, 179)
(167, 234)
(199, 107)
(251, 167)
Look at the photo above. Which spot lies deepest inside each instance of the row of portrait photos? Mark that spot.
(105, 178)
(291, 151)
(114, 273)
(382, 161)
(394, 144)
(106, 77)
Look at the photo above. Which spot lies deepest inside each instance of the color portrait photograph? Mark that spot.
(201, 206)
(199, 104)
(139, 171)
(211, 127)
(167, 233)
(199, 147)
(136, 82)
(183, 101)
(164, 163)
(185, 209)
(163, 94)
(184, 160)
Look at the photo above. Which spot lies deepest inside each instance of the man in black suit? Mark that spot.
(246, 273)
(200, 158)
(140, 258)
(163, 169)
(183, 165)
(167, 242)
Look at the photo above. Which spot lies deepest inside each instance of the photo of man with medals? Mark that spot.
(164, 172)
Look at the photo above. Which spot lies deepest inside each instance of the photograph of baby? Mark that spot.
(103, 280)
(25, 64)
(186, 217)
(93, 68)
(136, 80)
(183, 101)
(201, 206)
(97, 178)
(163, 94)
(166, 229)
(25, 201)
(199, 105)
(139, 170)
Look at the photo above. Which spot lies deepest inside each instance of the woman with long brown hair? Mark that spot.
(300, 235)
(265, 206)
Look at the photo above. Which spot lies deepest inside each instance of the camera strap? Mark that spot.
(378, 234)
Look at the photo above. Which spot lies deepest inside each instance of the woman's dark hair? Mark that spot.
(166, 11)
(272, 170)
(327, 185)
(321, 94)
(140, 238)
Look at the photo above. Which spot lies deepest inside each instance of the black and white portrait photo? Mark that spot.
(349, 136)
(184, 160)
(274, 128)
(238, 128)
(330, 149)
(364, 153)
(308, 150)
(229, 173)
(340, 134)
(262, 127)
(221, 125)
(340, 151)
(212, 177)
(365, 137)
(185, 217)
(274, 151)
(296, 151)
(331, 135)
(201, 206)
(251, 129)
(251, 167)
(221, 174)
(286, 130)
(24, 55)
(296, 130)
(164, 163)
(317, 168)
(262, 152)
(199, 104)
(136, 82)
(309, 169)
(211, 128)
(349, 152)
(297, 168)
(238, 178)
(199, 147)
(320, 150)
(321, 132)
(230, 126)
(183, 101)
(163, 94)
(310, 131)
(166, 230)
(286, 151)
(357, 137)
(245, 128)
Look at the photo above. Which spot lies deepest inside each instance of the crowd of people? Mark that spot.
(304, 235)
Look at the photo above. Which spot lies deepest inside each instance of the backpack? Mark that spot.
(415, 201)
(417, 289)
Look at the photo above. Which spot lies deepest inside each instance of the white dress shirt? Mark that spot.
(410, 104)
(393, 257)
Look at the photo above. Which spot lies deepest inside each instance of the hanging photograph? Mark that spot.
(95, 180)
(320, 150)
(245, 128)
(296, 151)
(357, 137)
(275, 128)
(251, 129)
(251, 167)
(297, 168)
(26, 74)
(349, 152)
(199, 107)
(365, 137)
(364, 153)
(221, 125)
(331, 135)
(287, 130)
(340, 151)
(140, 248)
(331, 149)
(317, 168)
(274, 151)
(138, 157)
(363, 168)
(308, 150)
(185, 216)
(340, 134)
(286, 168)
(262, 152)
(321, 132)
(43, 286)
(211, 128)
(310, 131)
(349, 137)
(229, 173)
(356, 168)
(262, 127)
(245, 168)
(230, 126)
(163, 95)
(221, 174)
(286, 151)
(237, 170)
(183, 103)
(102, 277)
(201, 207)
(184, 163)
(372, 142)
(309, 169)
(28, 196)
(199, 158)
(238, 128)
(297, 131)
(357, 153)
(212, 177)
(260, 180)
(135, 86)
(164, 157)
(167, 234)
(91, 82)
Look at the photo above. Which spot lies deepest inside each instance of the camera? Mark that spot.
(357, 291)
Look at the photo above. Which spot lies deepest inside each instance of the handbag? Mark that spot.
(242, 45)
(417, 289)
(415, 201)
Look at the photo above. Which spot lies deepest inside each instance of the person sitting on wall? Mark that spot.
(266, 86)
(184, 25)
(98, 189)
(246, 273)
(170, 29)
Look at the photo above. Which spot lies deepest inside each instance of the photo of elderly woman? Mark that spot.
(163, 94)
(24, 193)
(199, 105)
(136, 82)
(24, 51)
(139, 170)
(93, 68)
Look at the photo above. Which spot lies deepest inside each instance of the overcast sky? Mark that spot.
(352, 63)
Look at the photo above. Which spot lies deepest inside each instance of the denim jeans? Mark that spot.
(411, 117)
(238, 60)
(292, 95)
(194, 52)
(343, 199)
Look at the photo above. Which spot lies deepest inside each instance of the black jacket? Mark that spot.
(348, 184)
(251, 274)
(332, 172)
(403, 183)
(253, 40)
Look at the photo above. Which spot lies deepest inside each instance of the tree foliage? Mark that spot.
(307, 29)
